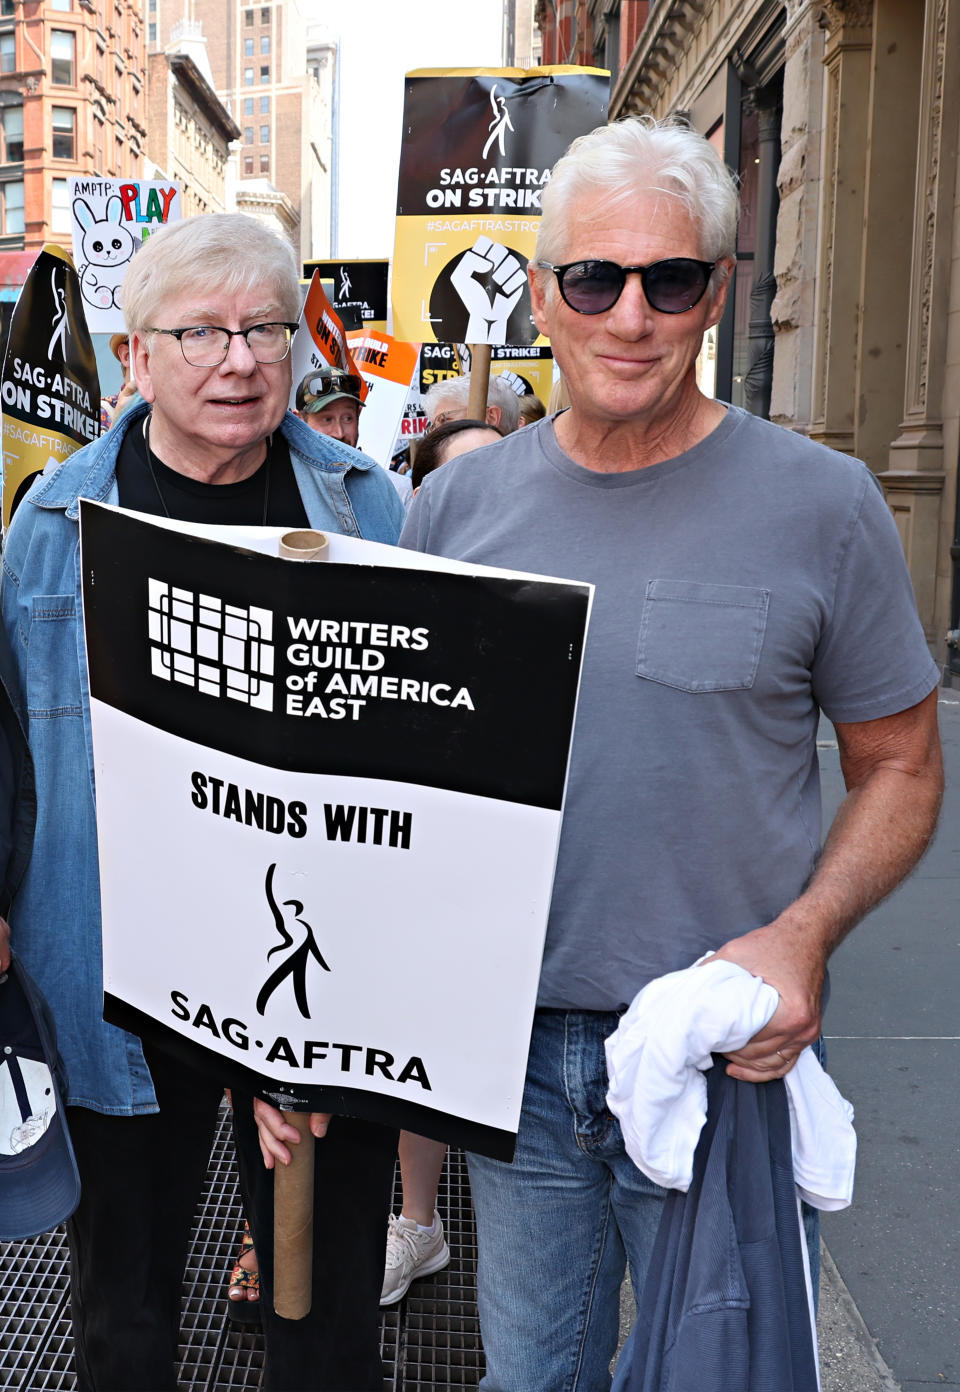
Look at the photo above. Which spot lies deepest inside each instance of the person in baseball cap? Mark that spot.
(39, 1182)
(112, 407)
(330, 400)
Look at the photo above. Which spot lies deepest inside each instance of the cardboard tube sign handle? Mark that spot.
(479, 381)
(304, 546)
(293, 1225)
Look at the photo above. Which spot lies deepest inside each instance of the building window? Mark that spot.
(264, 164)
(63, 57)
(248, 135)
(248, 16)
(152, 33)
(60, 220)
(248, 106)
(12, 134)
(264, 135)
(248, 48)
(264, 106)
(12, 207)
(265, 15)
(64, 132)
(8, 53)
(264, 44)
(65, 5)
(6, 7)
(265, 73)
(248, 164)
(248, 77)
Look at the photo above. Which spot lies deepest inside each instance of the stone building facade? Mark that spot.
(258, 59)
(521, 35)
(72, 102)
(843, 120)
(190, 132)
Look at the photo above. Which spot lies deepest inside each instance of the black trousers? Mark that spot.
(141, 1178)
(336, 1347)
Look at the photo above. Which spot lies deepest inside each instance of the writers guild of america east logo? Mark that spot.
(297, 944)
(220, 649)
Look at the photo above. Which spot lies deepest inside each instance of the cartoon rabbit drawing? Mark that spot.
(106, 247)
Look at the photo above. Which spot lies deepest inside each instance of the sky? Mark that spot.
(380, 40)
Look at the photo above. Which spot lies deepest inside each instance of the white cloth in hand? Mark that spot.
(656, 1059)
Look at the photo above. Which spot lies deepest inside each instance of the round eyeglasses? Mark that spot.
(207, 345)
(671, 286)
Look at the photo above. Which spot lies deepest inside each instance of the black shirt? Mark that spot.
(166, 493)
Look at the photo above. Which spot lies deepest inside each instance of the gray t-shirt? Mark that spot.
(740, 588)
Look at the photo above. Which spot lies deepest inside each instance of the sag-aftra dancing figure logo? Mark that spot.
(299, 945)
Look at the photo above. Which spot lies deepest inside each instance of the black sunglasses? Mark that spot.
(671, 286)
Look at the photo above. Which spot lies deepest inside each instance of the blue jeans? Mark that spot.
(556, 1228)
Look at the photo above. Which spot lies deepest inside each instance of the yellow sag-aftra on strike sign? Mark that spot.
(478, 147)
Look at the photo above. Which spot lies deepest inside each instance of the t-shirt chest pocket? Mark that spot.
(700, 637)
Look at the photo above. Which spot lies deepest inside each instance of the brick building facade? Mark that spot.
(72, 102)
(590, 32)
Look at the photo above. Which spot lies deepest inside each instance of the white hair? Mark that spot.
(227, 251)
(456, 391)
(613, 165)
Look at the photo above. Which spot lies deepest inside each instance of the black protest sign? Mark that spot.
(477, 151)
(359, 290)
(50, 388)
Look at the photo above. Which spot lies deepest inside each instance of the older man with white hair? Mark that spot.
(746, 579)
(211, 304)
(449, 400)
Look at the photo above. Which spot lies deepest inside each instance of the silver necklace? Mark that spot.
(156, 481)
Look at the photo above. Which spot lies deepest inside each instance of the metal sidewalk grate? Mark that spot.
(430, 1340)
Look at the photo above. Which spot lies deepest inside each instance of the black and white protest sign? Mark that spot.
(477, 150)
(328, 803)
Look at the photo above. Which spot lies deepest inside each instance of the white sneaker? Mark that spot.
(411, 1253)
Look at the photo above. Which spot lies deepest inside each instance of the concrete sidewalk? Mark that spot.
(893, 1046)
(849, 1358)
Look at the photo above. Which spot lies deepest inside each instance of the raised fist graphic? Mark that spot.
(489, 280)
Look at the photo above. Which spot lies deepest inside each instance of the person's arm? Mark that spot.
(893, 772)
(126, 394)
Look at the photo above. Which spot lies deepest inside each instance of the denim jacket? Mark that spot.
(18, 802)
(56, 927)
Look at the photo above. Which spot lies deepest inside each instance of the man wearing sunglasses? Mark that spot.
(746, 579)
(330, 401)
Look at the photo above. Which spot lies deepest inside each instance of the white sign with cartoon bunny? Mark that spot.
(111, 220)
